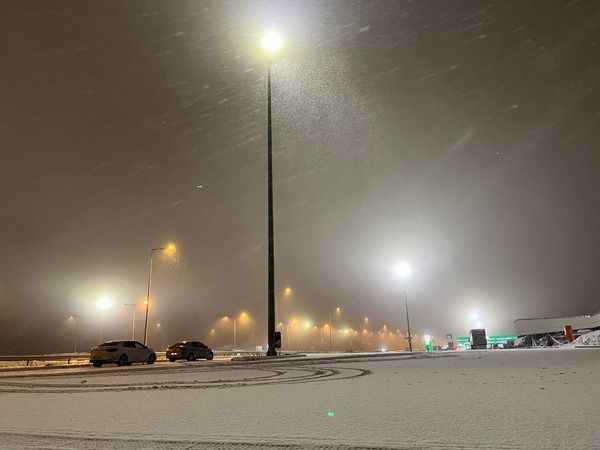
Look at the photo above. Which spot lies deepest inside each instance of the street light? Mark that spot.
(133, 306)
(74, 319)
(243, 319)
(169, 250)
(272, 43)
(103, 304)
(338, 313)
(404, 271)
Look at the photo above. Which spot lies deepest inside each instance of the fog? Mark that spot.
(460, 136)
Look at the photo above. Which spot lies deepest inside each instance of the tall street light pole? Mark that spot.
(234, 333)
(271, 44)
(168, 249)
(408, 320)
(404, 270)
(148, 292)
(103, 304)
(75, 320)
(133, 306)
(271, 257)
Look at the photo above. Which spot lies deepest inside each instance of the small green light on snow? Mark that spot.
(330, 414)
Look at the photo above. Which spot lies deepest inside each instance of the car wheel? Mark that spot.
(97, 364)
(210, 356)
(151, 359)
(123, 360)
(191, 357)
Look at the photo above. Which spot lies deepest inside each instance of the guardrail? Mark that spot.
(66, 359)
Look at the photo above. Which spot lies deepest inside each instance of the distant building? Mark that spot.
(551, 325)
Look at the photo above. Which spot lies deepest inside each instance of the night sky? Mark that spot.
(462, 136)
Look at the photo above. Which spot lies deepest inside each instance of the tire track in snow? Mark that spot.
(288, 375)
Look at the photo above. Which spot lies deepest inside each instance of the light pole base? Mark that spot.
(271, 352)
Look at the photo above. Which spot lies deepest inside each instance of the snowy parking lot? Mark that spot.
(489, 399)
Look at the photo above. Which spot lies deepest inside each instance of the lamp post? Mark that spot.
(169, 249)
(243, 317)
(74, 319)
(103, 304)
(271, 44)
(404, 270)
(234, 332)
(133, 307)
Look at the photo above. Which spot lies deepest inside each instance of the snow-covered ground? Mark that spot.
(491, 399)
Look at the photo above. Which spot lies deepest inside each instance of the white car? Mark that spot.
(122, 353)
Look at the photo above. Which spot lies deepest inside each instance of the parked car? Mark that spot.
(122, 353)
(190, 350)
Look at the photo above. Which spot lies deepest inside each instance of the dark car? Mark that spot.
(190, 350)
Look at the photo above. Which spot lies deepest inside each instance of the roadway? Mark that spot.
(470, 400)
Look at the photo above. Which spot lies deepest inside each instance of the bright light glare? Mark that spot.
(104, 303)
(474, 316)
(403, 269)
(427, 338)
(272, 42)
(170, 249)
(244, 317)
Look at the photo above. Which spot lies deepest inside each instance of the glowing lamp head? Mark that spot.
(104, 304)
(403, 270)
(170, 249)
(244, 317)
(272, 42)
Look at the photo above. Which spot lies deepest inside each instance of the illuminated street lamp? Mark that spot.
(404, 271)
(103, 304)
(169, 250)
(243, 318)
(133, 307)
(271, 43)
(74, 320)
(338, 313)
